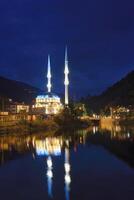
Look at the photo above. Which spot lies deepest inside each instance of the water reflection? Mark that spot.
(49, 146)
(67, 171)
(60, 148)
(49, 176)
(52, 146)
(39, 145)
(95, 129)
(116, 139)
(12, 147)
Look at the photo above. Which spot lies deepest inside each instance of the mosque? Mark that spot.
(49, 103)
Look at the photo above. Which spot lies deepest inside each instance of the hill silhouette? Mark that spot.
(121, 93)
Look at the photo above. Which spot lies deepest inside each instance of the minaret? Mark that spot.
(49, 85)
(66, 82)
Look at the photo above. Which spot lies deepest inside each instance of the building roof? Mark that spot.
(48, 95)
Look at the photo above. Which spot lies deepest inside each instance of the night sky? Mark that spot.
(99, 35)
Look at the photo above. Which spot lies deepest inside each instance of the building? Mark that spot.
(16, 108)
(5, 104)
(49, 103)
(122, 112)
(8, 106)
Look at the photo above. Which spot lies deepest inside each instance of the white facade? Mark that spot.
(48, 104)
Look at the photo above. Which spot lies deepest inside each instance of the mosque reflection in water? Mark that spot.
(49, 147)
(12, 147)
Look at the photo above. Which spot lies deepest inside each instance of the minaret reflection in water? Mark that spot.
(67, 172)
(52, 147)
(49, 176)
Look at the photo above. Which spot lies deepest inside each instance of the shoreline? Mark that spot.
(26, 127)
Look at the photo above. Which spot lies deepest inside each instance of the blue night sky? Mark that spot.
(99, 35)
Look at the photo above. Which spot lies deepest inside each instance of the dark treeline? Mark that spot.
(120, 94)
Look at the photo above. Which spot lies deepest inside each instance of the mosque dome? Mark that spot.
(48, 95)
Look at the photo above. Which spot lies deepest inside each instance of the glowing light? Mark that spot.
(41, 152)
(128, 135)
(49, 162)
(49, 146)
(66, 71)
(49, 85)
(67, 172)
(50, 173)
(95, 129)
(67, 179)
(49, 104)
(49, 185)
(67, 167)
(66, 81)
(47, 111)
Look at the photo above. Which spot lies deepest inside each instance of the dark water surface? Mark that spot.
(91, 164)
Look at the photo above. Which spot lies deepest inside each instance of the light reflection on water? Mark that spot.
(40, 145)
(49, 176)
(49, 146)
(52, 146)
(58, 145)
(67, 171)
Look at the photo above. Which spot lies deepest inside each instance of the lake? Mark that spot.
(87, 164)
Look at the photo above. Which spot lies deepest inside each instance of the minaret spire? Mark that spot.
(49, 76)
(66, 81)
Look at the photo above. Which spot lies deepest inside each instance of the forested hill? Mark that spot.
(121, 93)
(18, 91)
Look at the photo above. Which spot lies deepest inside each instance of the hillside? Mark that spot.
(121, 93)
(17, 91)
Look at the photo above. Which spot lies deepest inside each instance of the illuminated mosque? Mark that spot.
(50, 103)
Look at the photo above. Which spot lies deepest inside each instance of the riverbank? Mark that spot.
(52, 124)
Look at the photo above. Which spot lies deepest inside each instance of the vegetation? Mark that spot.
(37, 125)
(69, 118)
(121, 93)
